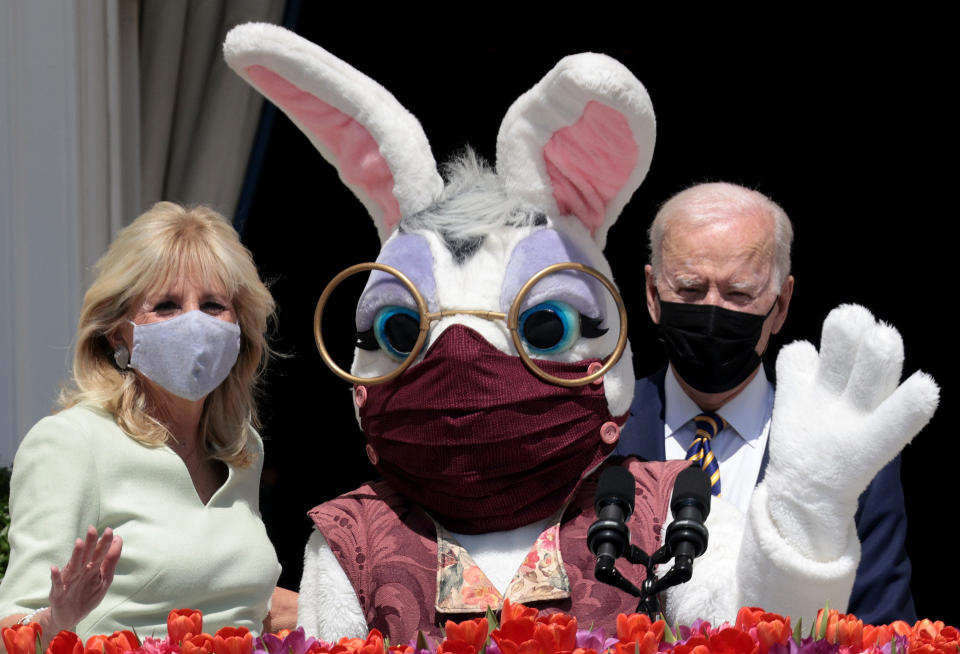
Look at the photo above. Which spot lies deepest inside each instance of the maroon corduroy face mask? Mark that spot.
(479, 441)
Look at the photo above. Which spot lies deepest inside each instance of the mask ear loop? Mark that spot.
(513, 319)
(318, 321)
(776, 301)
(121, 353)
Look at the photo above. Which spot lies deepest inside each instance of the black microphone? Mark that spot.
(608, 537)
(687, 536)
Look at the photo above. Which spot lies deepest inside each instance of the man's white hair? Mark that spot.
(706, 202)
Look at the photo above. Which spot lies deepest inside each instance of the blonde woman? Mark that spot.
(154, 444)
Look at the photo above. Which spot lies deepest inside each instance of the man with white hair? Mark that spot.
(718, 286)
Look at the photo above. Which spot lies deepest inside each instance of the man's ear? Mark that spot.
(783, 303)
(653, 298)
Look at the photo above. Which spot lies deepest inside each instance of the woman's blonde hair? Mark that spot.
(166, 241)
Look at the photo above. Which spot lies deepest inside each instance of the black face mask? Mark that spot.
(711, 348)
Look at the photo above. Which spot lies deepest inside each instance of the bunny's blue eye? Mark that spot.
(549, 327)
(396, 330)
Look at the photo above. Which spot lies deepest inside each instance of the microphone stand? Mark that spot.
(649, 603)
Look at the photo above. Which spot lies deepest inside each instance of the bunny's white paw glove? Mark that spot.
(839, 416)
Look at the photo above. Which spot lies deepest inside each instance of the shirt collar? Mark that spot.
(746, 412)
(462, 587)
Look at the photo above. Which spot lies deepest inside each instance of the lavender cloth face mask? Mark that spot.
(189, 355)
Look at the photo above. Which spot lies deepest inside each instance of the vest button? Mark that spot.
(592, 368)
(360, 395)
(610, 432)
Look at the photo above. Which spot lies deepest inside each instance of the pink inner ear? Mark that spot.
(357, 155)
(589, 162)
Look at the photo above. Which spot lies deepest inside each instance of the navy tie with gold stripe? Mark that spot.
(708, 425)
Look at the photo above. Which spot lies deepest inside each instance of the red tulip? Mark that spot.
(65, 642)
(233, 640)
(751, 616)
(518, 624)
(842, 629)
(556, 632)
(456, 647)
(22, 638)
(124, 641)
(348, 645)
(197, 644)
(694, 645)
(748, 616)
(929, 637)
(766, 628)
(512, 612)
(100, 644)
(372, 645)
(637, 628)
(876, 635)
(473, 632)
(321, 647)
(511, 647)
(182, 623)
(733, 641)
(773, 632)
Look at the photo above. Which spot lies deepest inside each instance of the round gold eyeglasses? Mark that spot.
(512, 319)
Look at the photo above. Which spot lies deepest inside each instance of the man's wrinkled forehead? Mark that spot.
(736, 251)
(745, 231)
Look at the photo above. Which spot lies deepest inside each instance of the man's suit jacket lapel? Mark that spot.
(642, 435)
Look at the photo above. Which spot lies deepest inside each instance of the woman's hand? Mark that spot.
(283, 611)
(79, 587)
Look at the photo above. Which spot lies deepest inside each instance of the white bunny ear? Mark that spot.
(580, 141)
(378, 147)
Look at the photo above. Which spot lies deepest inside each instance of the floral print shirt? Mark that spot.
(462, 587)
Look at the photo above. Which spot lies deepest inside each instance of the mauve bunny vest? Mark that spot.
(388, 549)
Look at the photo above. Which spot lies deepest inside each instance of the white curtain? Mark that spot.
(79, 159)
(197, 118)
(68, 171)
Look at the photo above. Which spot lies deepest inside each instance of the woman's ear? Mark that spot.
(120, 339)
(120, 334)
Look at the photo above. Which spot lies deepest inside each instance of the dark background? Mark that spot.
(842, 121)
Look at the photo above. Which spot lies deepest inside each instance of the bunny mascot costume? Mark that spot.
(492, 374)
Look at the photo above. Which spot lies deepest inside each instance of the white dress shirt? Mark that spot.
(738, 448)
